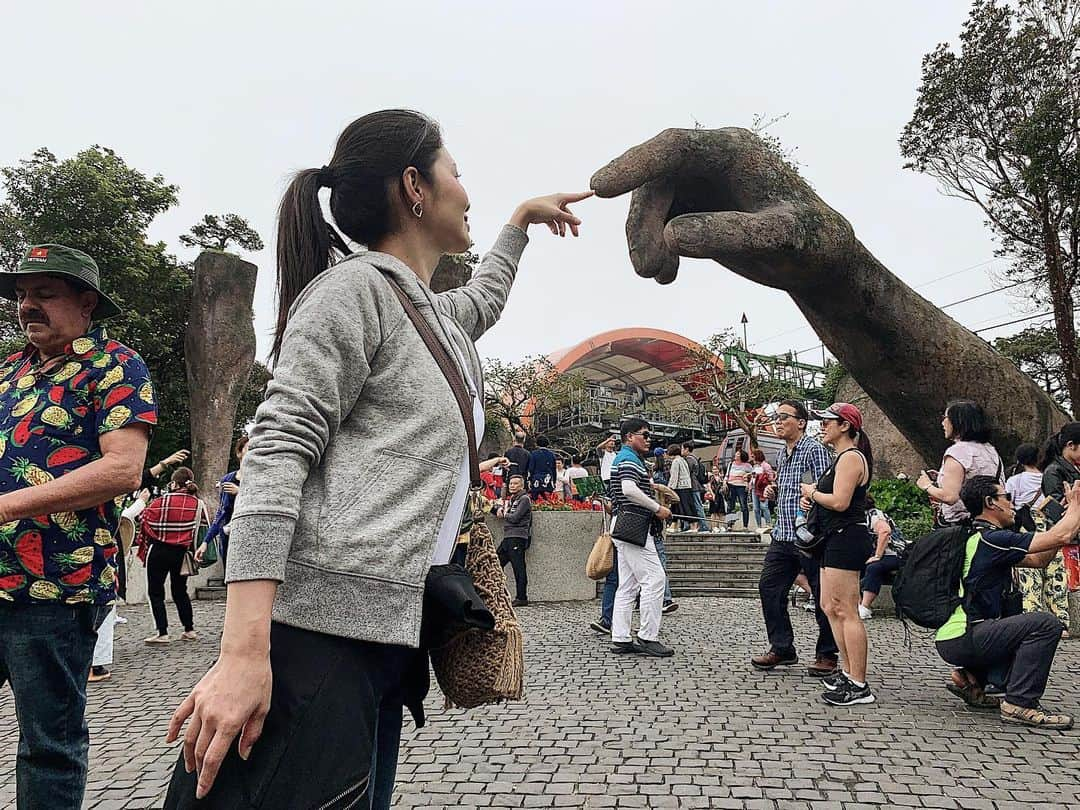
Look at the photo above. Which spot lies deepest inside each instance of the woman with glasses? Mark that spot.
(319, 652)
(967, 426)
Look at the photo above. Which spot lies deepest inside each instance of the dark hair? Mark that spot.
(674, 450)
(240, 444)
(969, 421)
(862, 442)
(542, 441)
(1027, 455)
(184, 479)
(758, 454)
(798, 407)
(742, 456)
(370, 155)
(632, 425)
(870, 502)
(689, 445)
(976, 490)
(1069, 434)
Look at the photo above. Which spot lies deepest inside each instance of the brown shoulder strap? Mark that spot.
(450, 370)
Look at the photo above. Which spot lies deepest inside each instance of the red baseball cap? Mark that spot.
(844, 411)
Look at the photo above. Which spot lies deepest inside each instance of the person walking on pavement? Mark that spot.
(517, 536)
(698, 478)
(802, 460)
(640, 571)
(679, 482)
(76, 410)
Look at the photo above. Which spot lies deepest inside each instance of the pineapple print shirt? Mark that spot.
(51, 415)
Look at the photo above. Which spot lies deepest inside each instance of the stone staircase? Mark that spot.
(213, 589)
(722, 564)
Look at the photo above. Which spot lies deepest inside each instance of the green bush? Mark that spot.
(905, 503)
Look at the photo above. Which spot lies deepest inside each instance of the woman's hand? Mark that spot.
(144, 495)
(552, 210)
(924, 482)
(232, 698)
(179, 457)
(230, 488)
(805, 503)
(807, 490)
(873, 559)
(199, 552)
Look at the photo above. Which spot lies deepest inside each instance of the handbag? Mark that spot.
(602, 557)
(632, 525)
(474, 666)
(188, 567)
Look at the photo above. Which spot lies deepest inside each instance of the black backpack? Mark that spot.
(927, 586)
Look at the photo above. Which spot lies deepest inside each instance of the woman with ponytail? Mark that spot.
(319, 651)
(846, 544)
(169, 525)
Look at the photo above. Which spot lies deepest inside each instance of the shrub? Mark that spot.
(905, 503)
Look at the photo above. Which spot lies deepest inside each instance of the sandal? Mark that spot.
(1036, 717)
(974, 697)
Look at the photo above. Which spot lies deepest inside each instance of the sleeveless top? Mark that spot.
(832, 521)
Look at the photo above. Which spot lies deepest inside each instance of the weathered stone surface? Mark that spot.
(722, 194)
(893, 453)
(219, 349)
(555, 561)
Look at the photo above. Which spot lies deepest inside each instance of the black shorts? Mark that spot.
(848, 548)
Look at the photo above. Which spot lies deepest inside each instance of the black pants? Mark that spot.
(737, 499)
(512, 550)
(331, 737)
(1015, 653)
(783, 562)
(164, 560)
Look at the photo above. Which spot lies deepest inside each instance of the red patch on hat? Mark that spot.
(39, 253)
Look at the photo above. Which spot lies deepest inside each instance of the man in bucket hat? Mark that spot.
(75, 416)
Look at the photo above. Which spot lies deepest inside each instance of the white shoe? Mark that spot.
(120, 619)
(810, 607)
(157, 640)
(865, 613)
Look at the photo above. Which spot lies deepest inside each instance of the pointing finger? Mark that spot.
(575, 196)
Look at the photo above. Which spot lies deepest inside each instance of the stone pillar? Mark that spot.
(219, 349)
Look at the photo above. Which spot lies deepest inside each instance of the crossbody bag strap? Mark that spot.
(450, 370)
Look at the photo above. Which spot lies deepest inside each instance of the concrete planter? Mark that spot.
(556, 559)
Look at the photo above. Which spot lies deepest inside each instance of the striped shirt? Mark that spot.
(628, 466)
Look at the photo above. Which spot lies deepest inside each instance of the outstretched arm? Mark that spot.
(722, 194)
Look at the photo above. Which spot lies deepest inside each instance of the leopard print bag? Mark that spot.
(478, 667)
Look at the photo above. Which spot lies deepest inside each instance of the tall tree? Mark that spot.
(219, 233)
(95, 202)
(1036, 352)
(997, 123)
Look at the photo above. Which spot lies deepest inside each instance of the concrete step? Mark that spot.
(676, 572)
(737, 536)
(735, 592)
(211, 591)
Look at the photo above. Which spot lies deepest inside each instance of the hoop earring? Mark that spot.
(418, 209)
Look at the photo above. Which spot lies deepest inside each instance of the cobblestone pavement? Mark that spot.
(598, 730)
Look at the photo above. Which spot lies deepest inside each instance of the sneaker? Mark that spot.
(520, 603)
(835, 681)
(157, 640)
(822, 667)
(98, 674)
(1036, 718)
(670, 607)
(865, 613)
(654, 648)
(120, 619)
(810, 607)
(771, 660)
(624, 647)
(189, 635)
(600, 627)
(851, 695)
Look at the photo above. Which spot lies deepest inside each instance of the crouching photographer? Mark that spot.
(1014, 651)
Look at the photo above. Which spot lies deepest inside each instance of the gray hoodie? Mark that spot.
(357, 401)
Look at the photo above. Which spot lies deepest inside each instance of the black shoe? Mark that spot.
(600, 627)
(654, 648)
(520, 603)
(849, 695)
(670, 607)
(624, 647)
(838, 680)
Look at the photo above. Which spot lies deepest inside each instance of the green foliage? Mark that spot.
(905, 503)
(516, 392)
(217, 233)
(1036, 352)
(997, 123)
(833, 377)
(97, 203)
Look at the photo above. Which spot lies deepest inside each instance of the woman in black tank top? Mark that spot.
(840, 498)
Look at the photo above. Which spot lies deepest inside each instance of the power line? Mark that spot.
(1021, 320)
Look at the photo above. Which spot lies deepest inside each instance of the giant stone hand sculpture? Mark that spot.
(722, 194)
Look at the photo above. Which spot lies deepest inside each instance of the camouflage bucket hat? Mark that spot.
(59, 260)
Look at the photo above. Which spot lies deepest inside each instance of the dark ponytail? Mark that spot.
(1069, 434)
(370, 156)
(862, 442)
(184, 481)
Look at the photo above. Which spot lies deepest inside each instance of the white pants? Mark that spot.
(639, 571)
(103, 648)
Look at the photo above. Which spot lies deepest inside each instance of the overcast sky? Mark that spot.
(227, 99)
